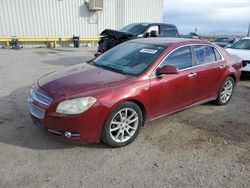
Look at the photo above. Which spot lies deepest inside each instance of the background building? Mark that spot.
(65, 18)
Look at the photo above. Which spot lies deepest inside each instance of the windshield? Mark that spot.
(129, 58)
(242, 44)
(134, 29)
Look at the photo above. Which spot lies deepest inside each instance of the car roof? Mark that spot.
(168, 41)
(152, 23)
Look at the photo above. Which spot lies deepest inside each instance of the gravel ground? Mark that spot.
(204, 146)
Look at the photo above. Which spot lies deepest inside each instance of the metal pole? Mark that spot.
(248, 33)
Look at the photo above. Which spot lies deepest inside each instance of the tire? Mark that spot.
(226, 92)
(122, 125)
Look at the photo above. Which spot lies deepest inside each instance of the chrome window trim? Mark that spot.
(153, 75)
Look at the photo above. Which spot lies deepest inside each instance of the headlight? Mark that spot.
(75, 106)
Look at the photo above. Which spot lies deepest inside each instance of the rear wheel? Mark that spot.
(226, 92)
(123, 125)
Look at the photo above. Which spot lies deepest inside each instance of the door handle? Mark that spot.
(193, 74)
(223, 66)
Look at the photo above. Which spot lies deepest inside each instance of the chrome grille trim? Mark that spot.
(40, 97)
(36, 111)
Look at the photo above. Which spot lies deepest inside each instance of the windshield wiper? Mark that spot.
(108, 67)
(112, 68)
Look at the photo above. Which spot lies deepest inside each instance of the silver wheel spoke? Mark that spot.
(115, 123)
(115, 129)
(117, 135)
(133, 120)
(122, 136)
(129, 126)
(131, 115)
(120, 114)
(128, 132)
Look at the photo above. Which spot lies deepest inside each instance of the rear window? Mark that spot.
(134, 29)
(168, 31)
(204, 54)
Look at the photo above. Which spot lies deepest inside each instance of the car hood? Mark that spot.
(81, 77)
(243, 54)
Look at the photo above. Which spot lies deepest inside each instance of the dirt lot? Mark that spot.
(204, 146)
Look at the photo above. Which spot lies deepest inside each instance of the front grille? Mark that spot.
(35, 111)
(40, 97)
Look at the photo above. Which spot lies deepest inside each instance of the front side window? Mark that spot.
(204, 54)
(181, 58)
(129, 58)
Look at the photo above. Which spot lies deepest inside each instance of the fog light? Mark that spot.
(67, 134)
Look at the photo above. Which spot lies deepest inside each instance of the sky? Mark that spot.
(209, 16)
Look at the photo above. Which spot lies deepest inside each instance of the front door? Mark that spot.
(170, 93)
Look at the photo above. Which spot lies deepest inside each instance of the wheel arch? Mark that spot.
(141, 106)
(234, 77)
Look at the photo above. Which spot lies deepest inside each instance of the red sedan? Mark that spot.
(109, 98)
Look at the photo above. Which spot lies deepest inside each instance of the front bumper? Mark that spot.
(85, 127)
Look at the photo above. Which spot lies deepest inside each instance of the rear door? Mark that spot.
(210, 67)
(169, 93)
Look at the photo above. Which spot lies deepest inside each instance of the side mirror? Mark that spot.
(167, 69)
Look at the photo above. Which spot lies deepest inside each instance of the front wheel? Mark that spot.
(122, 125)
(226, 92)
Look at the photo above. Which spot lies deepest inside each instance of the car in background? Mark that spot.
(242, 49)
(110, 38)
(191, 35)
(224, 41)
(111, 97)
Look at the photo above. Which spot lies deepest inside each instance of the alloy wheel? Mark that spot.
(124, 125)
(227, 91)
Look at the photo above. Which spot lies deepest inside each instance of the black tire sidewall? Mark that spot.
(106, 137)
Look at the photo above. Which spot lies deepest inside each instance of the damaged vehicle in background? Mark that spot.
(242, 49)
(110, 38)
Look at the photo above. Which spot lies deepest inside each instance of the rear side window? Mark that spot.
(181, 58)
(168, 31)
(217, 55)
(204, 54)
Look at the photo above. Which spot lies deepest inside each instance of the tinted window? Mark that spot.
(228, 40)
(169, 31)
(181, 58)
(217, 55)
(204, 54)
(242, 44)
(134, 29)
(129, 58)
